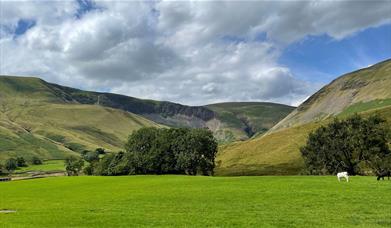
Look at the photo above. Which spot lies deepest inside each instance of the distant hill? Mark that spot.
(365, 91)
(50, 120)
(247, 119)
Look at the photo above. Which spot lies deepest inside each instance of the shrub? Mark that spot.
(36, 161)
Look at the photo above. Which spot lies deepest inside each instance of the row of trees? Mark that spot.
(356, 145)
(157, 151)
(12, 164)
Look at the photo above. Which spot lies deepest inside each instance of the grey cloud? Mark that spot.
(177, 53)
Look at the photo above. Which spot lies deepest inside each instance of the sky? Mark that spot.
(194, 52)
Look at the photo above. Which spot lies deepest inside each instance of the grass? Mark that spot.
(364, 106)
(49, 165)
(183, 201)
(277, 153)
(55, 130)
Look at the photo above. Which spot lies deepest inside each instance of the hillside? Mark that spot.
(41, 118)
(37, 120)
(358, 91)
(247, 119)
(366, 91)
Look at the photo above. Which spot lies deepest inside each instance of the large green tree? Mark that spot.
(163, 151)
(355, 145)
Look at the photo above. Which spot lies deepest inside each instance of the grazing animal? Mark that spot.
(381, 175)
(344, 175)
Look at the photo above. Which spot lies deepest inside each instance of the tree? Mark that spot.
(73, 165)
(11, 165)
(91, 156)
(20, 162)
(163, 151)
(36, 160)
(352, 145)
(196, 151)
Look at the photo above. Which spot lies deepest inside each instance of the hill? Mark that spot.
(366, 91)
(358, 91)
(50, 120)
(37, 119)
(247, 119)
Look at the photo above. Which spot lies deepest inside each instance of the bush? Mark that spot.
(36, 161)
(20, 162)
(11, 165)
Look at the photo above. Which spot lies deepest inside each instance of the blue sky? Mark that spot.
(322, 58)
(194, 53)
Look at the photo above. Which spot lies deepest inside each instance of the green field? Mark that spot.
(49, 165)
(180, 201)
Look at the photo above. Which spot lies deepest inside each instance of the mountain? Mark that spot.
(37, 119)
(50, 120)
(247, 119)
(365, 91)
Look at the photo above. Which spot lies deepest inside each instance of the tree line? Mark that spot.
(11, 164)
(357, 145)
(154, 151)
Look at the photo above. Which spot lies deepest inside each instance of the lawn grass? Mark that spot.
(184, 201)
(49, 165)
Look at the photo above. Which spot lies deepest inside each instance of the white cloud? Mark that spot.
(189, 52)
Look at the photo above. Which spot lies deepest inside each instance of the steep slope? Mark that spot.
(34, 120)
(229, 121)
(37, 117)
(360, 90)
(366, 91)
(242, 120)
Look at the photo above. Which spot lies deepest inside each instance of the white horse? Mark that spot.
(344, 175)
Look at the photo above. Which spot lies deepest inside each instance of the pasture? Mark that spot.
(48, 165)
(298, 201)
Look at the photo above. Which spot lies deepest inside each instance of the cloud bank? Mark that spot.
(188, 52)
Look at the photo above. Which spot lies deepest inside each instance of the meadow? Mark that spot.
(198, 201)
(48, 165)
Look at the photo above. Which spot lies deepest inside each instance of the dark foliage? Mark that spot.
(20, 162)
(355, 145)
(73, 165)
(11, 164)
(36, 161)
(163, 151)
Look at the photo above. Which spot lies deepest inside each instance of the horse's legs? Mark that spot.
(347, 179)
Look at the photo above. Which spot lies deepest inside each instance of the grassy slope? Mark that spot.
(363, 86)
(275, 153)
(183, 201)
(36, 121)
(244, 119)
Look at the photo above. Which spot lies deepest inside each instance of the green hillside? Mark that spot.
(357, 91)
(36, 119)
(49, 120)
(277, 152)
(247, 119)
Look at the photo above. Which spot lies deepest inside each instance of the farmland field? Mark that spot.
(48, 165)
(298, 201)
